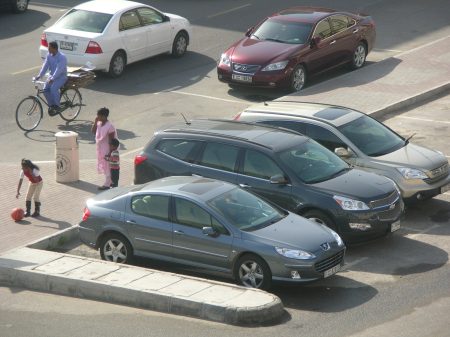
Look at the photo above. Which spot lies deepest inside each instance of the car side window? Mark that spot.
(219, 156)
(259, 165)
(295, 126)
(323, 29)
(178, 148)
(339, 23)
(149, 16)
(324, 137)
(129, 20)
(190, 214)
(152, 206)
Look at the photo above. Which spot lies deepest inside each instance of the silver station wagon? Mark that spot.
(210, 225)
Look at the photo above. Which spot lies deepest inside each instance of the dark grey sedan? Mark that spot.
(212, 225)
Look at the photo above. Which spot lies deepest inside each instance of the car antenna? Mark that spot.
(185, 119)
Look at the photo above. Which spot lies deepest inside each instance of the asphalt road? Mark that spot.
(395, 286)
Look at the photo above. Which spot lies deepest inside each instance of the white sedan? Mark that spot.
(109, 34)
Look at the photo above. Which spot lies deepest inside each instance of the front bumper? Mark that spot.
(269, 79)
(418, 189)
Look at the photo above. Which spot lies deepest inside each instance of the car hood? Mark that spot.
(413, 156)
(358, 184)
(294, 232)
(259, 52)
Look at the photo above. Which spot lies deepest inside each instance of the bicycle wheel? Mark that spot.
(29, 113)
(70, 104)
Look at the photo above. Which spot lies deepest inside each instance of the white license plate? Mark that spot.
(241, 78)
(65, 45)
(395, 226)
(445, 188)
(332, 271)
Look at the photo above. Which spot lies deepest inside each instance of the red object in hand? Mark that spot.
(17, 214)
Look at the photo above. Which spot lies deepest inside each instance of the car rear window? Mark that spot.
(84, 21)
(178, 148)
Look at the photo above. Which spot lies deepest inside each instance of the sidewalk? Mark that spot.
(377, 88)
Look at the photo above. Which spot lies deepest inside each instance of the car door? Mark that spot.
(133, 36)
(150, 227)
(158, 29)
(218, 161)
(346, 37)
(254, 175)
(322, 55)
(189, 242)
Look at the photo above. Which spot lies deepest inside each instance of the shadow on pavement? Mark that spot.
(83, 186)
(46, 220)
(12, 25)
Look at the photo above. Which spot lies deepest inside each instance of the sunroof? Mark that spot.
(331, 113)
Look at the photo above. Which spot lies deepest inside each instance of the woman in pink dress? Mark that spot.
(104, 131)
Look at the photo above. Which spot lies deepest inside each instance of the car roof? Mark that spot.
(109, 6)
(265, 136)
(330, 114)
(304, 14)
(190, 186)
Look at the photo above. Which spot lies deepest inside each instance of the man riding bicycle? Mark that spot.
(56, 63)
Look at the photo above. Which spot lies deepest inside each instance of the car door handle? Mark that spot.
(131, 222)
(355, 30)
(333, 42)
(178, 232)
(244, 185)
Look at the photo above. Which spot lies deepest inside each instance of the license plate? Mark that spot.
(65, 45)
(241, 78)
(332, 271)
(395, 226)
(445, 188)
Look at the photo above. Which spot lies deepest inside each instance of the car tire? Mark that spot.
(19, 6)
(359, 56)
(251, 271)
(115, 247)
(180, 44)
(320, 217)
(298, 78)
(117, 64)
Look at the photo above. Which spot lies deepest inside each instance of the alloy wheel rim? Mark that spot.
(22, 4)
(181, 45)
(118, 65)
(115, 251)
(251, 274)
(360, 55)
(299, 79)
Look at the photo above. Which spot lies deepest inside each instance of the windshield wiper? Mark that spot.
(256, 36)
(407, 139)
(275, 40)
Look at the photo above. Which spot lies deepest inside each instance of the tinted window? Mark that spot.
(323, 29)
(152, 206)
(129, 20)
(219, 156)
(190, 214)
(283, 31)
(324, 137)
(84, 21)
(339, 23)
(178, 148)
(312, 163)
(296, 126)
(258, 165)
(371, 137)
(149, 16)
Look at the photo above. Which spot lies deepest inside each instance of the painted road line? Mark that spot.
(208, 97)
(167, 90)
(423, 119)
(132, 151)
(47, 5)
(228, 11)
(26, 70)
(388, 50)
(423, 231)
(354, 263)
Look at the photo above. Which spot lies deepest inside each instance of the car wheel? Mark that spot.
(298, 78)
(180, 44)
(320, 217)
(116, 248)
(253, 272)
(20, 6)
(359, 56)
(117, 64)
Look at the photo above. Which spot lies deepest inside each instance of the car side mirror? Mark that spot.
(166, 18)
(343, 152)
(210, 231)
(278, 179)
(249, 31)
(315, 41)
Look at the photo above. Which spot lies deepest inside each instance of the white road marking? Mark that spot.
(26, 70)
(47, 5)
(351, 264)
(422, 46)
(167, 90)
(389, 50)
(228, 11)
(423, 119)
(208, 97)
(423, 231)
(132, 151)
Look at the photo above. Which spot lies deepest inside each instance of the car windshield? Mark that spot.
(84, 21)
(313, 163)
(371, 137)
(245, 210)
(283, 31)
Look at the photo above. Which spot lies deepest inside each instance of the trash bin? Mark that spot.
(67, 157)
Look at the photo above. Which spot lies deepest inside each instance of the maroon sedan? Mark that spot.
(282, 50)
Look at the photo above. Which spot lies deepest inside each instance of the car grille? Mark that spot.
(329, 262)
(245, 68)
(437, 174)
(390, 214)
(385, 201)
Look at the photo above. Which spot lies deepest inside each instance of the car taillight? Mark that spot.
(44, 42)
(139, 159)
(236, 118)
(93, 48)
(86, 214)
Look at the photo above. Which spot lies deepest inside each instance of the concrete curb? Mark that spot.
(56, 240)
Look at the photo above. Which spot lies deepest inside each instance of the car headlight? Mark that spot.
(276, 66)
(225, 60)
(294, 253)
(336, 236)
(350, 204)
(410, 173)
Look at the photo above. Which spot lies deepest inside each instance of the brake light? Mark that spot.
(139, 159)
(93, 48)
(86, 214)
(44, 42)
(236, 118)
